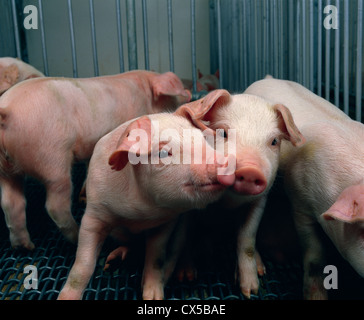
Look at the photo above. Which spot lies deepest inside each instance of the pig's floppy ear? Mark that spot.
(202, 110)
(287, 126)
(349, 207)
(169, 84)
(120, 157)
(9, 76)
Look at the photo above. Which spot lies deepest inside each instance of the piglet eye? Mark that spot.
(274, 142)
(163, 154)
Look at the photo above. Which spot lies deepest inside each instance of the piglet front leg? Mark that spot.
(158, 264)
(249, 262)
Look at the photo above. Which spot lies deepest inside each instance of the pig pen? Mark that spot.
(244, 40)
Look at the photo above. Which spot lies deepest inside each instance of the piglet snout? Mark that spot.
(249, 180)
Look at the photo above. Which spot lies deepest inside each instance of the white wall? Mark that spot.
(58, 43)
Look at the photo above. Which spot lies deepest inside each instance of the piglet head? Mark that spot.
(344, 223)
(168, 91)
(9, 76)
(165, 147)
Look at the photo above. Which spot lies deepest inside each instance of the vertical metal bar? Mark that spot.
(73, 44)
(44, 48)
(304, 63)
(319, 49)
(245, 40)
(346, 57)
(16, 29)
(131, 33)
(280, 37)
(359, 43)
(120, 37)
(337, 61)
(193, 46)
(298, 44)
(93, 38)
(276, 35)
(327, 60)
(311, 85)
(291, 56)
(219, 40)
(170, 35)
(255, 37)
(145, 35)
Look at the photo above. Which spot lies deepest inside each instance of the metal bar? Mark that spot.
(298, 44)
(304, 63)
(255, 37)
(337, 62)
(346, 57)
(44, 48)
(219, 40)
(327, 60)
(359, 52)
(73, 44)
(120, 37)
(291, 56)
(16, 30)
(319, 48)
(93, 38)
(311, 81)
(193, 46)
(170, 35)
(131, 33)
(276, 42)
(145, 35)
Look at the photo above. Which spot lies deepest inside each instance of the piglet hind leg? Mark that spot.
(91, 238)
(313, 256)
(58, 205)
(13, 204)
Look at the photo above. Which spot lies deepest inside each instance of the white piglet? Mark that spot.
(257, 127)
(47, 124)
(324, 179)
(140, 181)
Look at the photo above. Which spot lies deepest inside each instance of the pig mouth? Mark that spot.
(209, 186)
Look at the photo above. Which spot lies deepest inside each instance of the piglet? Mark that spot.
(324, 179)
(13, 70)
(139, 182)
(47, 124)
(258, 128)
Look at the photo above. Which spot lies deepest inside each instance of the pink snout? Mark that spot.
(250, 181)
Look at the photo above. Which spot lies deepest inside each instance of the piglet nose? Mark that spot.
(250, 180)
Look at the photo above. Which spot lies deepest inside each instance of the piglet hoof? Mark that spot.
(153, 293)
(248, 280)
(117, 254)
(68, 294)
(20, 244)
(314, 289)
(188, 272)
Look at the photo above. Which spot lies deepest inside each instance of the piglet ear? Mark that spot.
(287, 126)
(203, 109)
(8, 77)
(349, 207)
(135, 139)
(169, 84)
